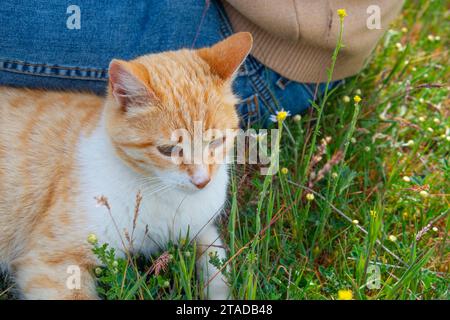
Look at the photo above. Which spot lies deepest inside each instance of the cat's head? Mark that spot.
(157, 103)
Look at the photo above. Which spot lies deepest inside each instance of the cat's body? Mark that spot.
(60, 150)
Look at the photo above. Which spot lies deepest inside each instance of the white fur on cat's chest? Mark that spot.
(168, 214)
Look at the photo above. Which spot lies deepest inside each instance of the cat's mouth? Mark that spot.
(187, 187)
(196, 181)
(191, 188)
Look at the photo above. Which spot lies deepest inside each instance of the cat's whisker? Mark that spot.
(152, 192)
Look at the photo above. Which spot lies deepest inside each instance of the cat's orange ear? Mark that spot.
(225, 57)
(128, 82)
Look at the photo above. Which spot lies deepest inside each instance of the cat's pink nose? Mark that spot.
(201, 177)
(201, 183)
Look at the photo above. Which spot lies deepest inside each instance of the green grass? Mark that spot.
(282, 246)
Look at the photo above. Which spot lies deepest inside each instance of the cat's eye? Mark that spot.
(217, 142)
(169, 150)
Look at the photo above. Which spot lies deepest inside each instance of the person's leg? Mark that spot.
(292, 96)
(38, 54)
(42, 47)
(263, 91)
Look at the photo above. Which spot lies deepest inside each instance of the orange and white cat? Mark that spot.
(59, 150)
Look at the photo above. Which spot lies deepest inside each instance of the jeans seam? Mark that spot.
(225, 26)
(282, 83)
(248, 113)
(50, 66)
(311, 92)
(260, 86)
(52, 71)
(52, 75)
(261, 94)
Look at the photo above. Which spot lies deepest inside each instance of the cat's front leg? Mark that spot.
(55, 275)
(210, 245)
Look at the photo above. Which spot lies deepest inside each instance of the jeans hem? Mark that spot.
(48, 70)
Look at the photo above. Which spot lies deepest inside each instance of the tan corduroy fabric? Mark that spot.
(296, 38)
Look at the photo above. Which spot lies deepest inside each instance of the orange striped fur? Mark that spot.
(43, 226)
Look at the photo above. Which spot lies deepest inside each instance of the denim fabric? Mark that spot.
(38, 50)
(264, 91)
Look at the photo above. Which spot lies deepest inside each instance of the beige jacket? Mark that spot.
(296, 38)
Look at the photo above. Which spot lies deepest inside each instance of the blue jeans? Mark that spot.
(39, 50)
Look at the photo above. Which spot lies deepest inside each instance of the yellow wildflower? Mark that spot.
(342, 13)
(423, 194)
(357, 99)
(98, 271)
(284, 170)
(345, 294)
(399, 46)
(92, 239)
(297, 118)
(280, 116)
(310, 197)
